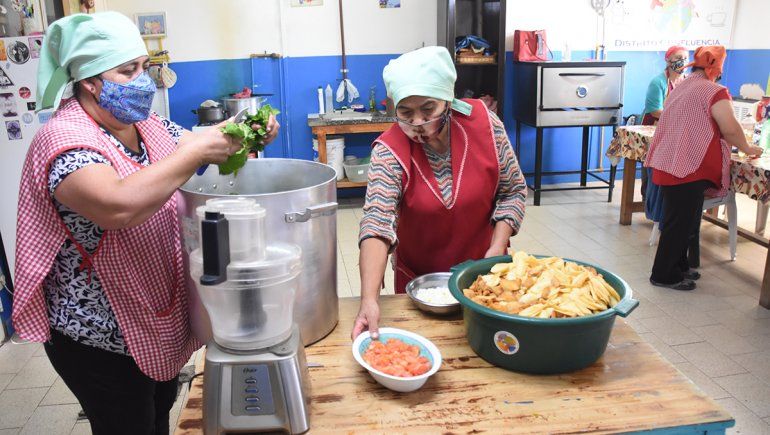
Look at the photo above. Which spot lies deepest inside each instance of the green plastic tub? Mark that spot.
(533, 345)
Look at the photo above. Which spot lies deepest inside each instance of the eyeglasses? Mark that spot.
(422, 124)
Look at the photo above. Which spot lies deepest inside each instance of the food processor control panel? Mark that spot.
(252, 390)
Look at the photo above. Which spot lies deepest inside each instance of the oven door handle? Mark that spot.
(582, 74)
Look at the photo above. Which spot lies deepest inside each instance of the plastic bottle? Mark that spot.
(767, 89)
(329, 99)
(764, 138)
(372, 102)
(320, 100)
(566, 55)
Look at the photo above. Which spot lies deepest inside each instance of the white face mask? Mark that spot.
(426, 131)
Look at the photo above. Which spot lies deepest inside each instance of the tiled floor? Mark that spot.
(717, 335)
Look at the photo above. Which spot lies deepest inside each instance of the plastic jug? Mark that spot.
(764, 137)
(329, 99)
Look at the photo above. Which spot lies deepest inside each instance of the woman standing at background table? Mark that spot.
(690, 157)
(657, 91)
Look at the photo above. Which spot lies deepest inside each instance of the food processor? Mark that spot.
(255, 378)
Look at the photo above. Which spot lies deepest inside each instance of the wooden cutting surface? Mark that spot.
(631, 388)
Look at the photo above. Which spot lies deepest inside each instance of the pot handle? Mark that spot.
(462, 265)
(327, 209)
(624, 307)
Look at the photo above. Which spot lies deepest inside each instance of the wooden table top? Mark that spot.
(366, 118)
(631, 388)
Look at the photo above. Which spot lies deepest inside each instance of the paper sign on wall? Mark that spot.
(300, 3)
(655, 25)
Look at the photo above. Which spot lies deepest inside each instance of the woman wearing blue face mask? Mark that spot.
(99, 268)
(657, 92)
(658, 89)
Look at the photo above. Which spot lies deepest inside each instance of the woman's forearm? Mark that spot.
(97, 193)
(144, 195)
(372, 261)
(501, 235)
(735, 137)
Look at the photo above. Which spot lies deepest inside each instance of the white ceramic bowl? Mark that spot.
(396, 383)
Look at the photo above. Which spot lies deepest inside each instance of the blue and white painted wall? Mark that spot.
(574, 23)
(210, 44)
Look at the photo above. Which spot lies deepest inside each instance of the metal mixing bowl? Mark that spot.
(440, 279)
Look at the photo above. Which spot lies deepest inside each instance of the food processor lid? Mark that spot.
(233, 208)
(281, 263)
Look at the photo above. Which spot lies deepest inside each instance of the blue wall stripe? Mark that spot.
(296, 97)
(203, 80)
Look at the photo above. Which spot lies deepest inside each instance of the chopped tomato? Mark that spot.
(396, 358)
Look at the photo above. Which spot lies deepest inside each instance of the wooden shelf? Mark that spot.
(475, 63)
(347, 184)
(321, 131)
(476, 75)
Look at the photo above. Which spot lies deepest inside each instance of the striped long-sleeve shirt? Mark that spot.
(384, 190)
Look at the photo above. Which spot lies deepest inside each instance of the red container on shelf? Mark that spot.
(763, 109)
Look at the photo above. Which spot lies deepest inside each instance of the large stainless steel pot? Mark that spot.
(300, 198)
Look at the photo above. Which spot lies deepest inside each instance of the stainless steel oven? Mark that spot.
(567, 94)
(557, 94)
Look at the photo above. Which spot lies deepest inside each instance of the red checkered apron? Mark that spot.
(140, 268)
(684, 132)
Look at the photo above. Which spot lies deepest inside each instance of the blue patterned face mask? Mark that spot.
(128, 102)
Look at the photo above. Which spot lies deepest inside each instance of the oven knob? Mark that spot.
(581, 91)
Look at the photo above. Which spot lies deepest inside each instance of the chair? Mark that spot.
(732, 220)
(634, 119)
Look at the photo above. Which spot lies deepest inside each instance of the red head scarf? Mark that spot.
(711, 58)
(673, 49)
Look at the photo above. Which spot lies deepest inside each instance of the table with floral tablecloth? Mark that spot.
(749, 176)
(630, 142)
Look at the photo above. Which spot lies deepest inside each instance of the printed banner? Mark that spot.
(655, 25)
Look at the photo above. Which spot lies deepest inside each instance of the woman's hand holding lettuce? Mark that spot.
(252, 139)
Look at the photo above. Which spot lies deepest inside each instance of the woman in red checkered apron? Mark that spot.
(98, 258)
(690, 157)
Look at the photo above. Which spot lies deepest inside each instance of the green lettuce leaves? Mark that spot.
(251, 140)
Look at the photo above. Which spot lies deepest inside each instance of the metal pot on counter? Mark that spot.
(208, 115)
(235, 105)
(300, 198)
